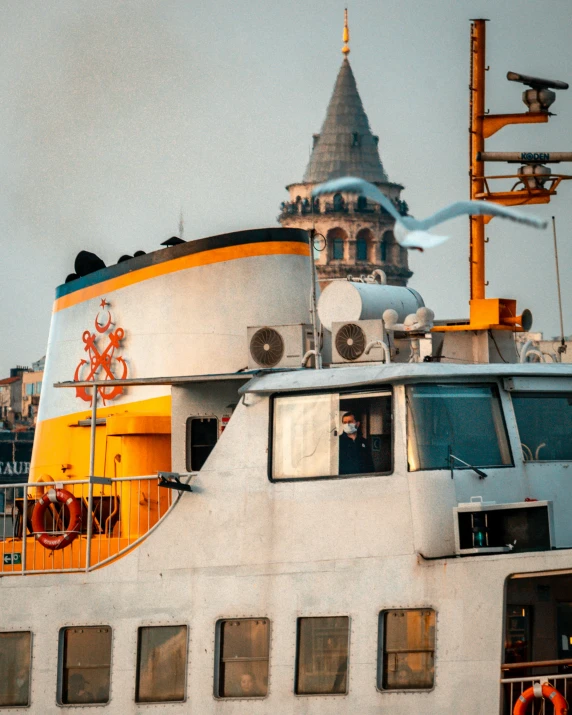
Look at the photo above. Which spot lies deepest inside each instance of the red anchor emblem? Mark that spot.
(101, 361)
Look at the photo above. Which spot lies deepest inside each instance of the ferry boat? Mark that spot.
(245, 498)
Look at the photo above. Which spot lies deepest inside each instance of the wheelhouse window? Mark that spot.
(242, 660)
(407, 649)
(322, 656)
(161, 664)
(85, 665)
(15, 664)
(461, 420)
(331, 435)
(202, 434)
(544, 422)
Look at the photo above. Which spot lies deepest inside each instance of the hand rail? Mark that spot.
(536, 664)
(118, 516)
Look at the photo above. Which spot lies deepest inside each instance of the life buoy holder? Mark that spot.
(546, 691)
(59, 541)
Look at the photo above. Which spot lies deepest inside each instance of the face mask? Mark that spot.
(350, 427)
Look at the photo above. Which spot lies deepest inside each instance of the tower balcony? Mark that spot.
(359, 208)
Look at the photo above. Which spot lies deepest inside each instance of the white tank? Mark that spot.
(346, 301)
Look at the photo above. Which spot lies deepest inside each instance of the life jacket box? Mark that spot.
(486, 527)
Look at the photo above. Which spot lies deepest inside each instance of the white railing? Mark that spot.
(124, 511)
(514, 687)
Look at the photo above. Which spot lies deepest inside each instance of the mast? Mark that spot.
(535, 183)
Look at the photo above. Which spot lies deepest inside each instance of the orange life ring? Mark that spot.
(548, 691)
(53, 496)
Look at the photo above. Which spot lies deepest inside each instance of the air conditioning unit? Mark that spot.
(486, 527)
(350, 340)
(279, 345)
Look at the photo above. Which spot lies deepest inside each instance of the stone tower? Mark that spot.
(359, 234)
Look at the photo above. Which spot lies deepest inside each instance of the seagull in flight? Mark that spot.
(411, 233)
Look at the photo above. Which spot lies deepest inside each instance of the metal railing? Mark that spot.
(116, 515)
(514, 687)
(361, 208)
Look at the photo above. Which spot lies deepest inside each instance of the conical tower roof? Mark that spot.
(345, 146)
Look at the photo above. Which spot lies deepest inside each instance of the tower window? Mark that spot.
(355, 139)
(338, 202)
(361, 249)
(383, 251)
(338, 249)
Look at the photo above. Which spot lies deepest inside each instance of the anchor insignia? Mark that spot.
(101, 360)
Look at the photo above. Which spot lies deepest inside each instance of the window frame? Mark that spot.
(456, 383)
(30, 670)
(381, 651)
(297, 658)
(535, 394)
(140, 703)
(362, 242)
(188, 427)
(382, 391)
(60, 666)
(336, 242)
(217, 659)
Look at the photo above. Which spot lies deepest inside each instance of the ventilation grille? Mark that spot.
(350, 341)
(267, 347)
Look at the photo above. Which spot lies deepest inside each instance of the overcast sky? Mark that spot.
(115, 114)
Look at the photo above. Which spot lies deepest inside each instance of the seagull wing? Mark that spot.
(421, 240)
(353, 185)
(475, 208)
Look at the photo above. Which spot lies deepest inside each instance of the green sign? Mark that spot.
(12, 559)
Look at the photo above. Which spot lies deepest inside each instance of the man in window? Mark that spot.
(355, 454)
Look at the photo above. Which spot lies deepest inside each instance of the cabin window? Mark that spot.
(161, 664)
(544, 422)
(85, 665)
(461, 420)
(407, 649)
(322, 656)
(15, 665)
(242, 658)
(331, 434)
(202, 434)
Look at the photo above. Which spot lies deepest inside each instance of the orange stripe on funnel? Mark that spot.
(216, 255)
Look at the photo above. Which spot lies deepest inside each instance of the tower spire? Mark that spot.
(181, 224)
(346, 35)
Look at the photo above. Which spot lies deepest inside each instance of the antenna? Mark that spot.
(562, 348)
(181, 224)
(346, 35)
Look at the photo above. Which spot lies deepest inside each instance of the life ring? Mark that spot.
(547, 691)
(59, 496)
